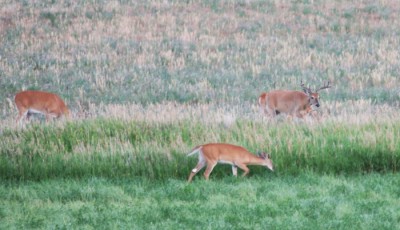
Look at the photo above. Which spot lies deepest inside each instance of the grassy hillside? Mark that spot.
(147, 52)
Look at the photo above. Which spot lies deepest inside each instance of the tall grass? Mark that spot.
(148, 80)
(114, 148)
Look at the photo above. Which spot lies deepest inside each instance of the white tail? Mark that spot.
(213, 153)
(49, 104)
(195, 150)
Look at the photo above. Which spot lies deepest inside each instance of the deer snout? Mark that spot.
(270, 167)
(317, 104)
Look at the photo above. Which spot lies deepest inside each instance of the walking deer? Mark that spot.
(213, 153)
(293, 103)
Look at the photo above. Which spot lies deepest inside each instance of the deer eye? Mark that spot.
(312, 97)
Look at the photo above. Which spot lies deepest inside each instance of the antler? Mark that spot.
(324, 87)
(305, 89)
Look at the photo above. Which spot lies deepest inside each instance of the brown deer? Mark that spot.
(49, 104)
(214, 153)
(292, 103)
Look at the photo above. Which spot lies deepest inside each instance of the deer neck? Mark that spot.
(255, 160)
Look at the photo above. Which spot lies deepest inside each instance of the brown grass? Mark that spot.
(92, 53)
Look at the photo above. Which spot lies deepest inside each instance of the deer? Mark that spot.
(49, 104)
(213, 153)
(290, 102)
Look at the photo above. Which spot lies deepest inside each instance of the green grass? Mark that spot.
(308, 201)
(114, 149)
(148, 80)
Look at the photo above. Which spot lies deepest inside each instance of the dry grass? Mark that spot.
(170, 60)
(347, 112)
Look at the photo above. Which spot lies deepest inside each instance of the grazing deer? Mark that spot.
(237, 156)
(293, 103)
(49, 104)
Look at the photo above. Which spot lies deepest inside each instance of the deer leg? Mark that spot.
(264, 111)
(314, 114)
(297, 113)
(209, 169)
(234, 170)
(271, 112)
(47, 117)
(28, 116)
(244, 168)
(22, 114)
(198, 167)
(19, 117)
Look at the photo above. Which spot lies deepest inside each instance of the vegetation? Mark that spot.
(309, 201)
(148, 80)
(147, 52)
(111, 148)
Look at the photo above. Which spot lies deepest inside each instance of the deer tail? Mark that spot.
(195, 150)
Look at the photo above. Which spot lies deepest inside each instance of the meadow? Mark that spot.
(146, 81)
(309, 201)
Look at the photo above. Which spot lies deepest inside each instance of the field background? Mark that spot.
(148, 80)
(151, 52)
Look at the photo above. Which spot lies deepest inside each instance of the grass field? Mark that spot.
(146, 81)
(147, 52)
(124, 174)
(309, 201)
(115, 149)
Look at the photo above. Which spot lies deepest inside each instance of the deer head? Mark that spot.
(313, 96)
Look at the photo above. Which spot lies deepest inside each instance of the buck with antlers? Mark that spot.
(293, 103)
(237, 156)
